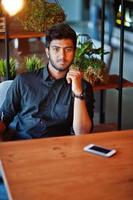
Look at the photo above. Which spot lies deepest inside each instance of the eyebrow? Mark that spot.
(62, 47)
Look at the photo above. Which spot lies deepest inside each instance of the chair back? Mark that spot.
(4, 86)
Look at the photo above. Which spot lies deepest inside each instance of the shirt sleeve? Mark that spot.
(11, 105)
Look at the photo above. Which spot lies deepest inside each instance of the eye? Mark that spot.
(68, 50)
(56, 49)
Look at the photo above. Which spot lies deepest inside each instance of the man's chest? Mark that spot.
(47, 97)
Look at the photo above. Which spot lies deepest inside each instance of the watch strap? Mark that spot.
(79, 96)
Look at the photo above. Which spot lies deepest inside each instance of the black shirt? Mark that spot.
(38, 106)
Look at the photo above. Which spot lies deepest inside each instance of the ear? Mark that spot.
(47, 52)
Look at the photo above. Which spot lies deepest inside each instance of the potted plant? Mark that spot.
(13, 63)
(38, 15)
(88, 61)
(33, 63)
(29, 64)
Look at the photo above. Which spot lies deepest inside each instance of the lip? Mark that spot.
(61, 63)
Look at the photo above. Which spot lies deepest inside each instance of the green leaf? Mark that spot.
(12, 63)
(86, 55)
(33, 63)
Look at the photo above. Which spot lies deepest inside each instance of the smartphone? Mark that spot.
(102, 151)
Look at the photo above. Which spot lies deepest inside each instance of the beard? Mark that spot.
(57, 67)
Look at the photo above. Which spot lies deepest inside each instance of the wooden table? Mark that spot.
(17, 31)
(59, 169)
(113, 83)
(22, 34)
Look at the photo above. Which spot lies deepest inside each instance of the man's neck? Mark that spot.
(55, 74)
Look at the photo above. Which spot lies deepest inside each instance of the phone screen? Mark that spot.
(100, 149)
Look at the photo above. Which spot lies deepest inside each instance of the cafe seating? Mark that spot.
(4, 86)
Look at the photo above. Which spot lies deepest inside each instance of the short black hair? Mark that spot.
(60, 31)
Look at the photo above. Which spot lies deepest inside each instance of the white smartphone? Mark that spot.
(102, 151)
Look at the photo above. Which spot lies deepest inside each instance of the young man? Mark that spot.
(53, 101)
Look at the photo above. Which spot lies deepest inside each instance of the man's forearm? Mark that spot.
(81, 120)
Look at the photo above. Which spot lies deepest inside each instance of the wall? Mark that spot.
(73, 9)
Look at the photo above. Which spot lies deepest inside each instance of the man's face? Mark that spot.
(61, 54)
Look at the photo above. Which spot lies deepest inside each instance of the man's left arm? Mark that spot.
(82, 122)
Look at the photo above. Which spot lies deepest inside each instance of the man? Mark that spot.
(53, 101)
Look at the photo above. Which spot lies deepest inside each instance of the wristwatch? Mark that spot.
(79, 96)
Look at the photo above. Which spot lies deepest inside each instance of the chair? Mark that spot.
(4, 86)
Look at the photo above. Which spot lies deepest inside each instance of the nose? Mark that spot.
(62, 53)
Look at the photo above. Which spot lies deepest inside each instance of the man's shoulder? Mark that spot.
(30, 75)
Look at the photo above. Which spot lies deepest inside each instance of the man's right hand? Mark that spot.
(75, 78)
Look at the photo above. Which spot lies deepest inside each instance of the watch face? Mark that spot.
(82, 96)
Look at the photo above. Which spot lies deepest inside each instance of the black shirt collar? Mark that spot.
(46, 75)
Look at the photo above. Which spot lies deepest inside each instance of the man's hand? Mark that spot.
(75, 77)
